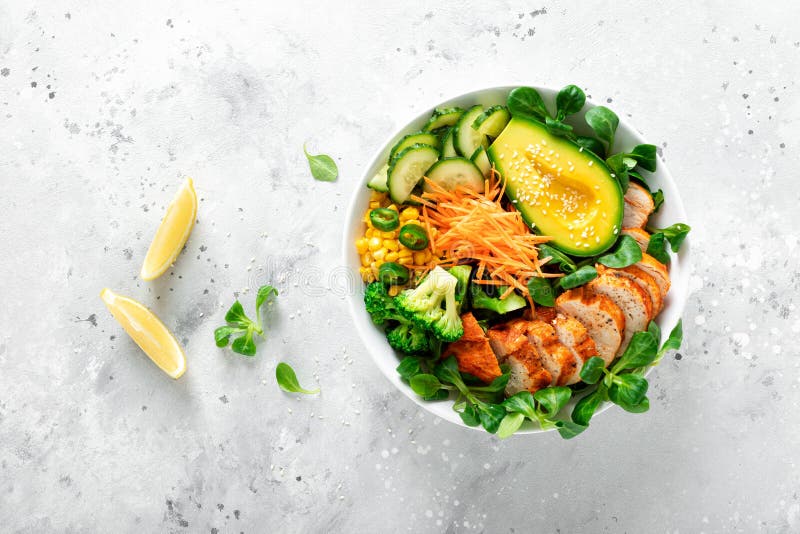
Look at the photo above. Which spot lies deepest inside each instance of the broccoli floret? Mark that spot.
(462, 274)
(408, 338)
(423, 305)
(402, 333)
(482, 301)
(380, 305)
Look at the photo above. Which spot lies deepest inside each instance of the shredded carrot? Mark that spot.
(464, 226)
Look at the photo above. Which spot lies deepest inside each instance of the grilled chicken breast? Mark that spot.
(602, 318)
(629, 297)
(638, 206)
(527, 372)
(473, 352)
(657, 270)
(646, 282)
(573, 335)
(559, 361)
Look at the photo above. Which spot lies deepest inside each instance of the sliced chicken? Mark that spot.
(559, 361)
(527, 372)
(546, 314)
(657, 270)
(603, 320)
(641, 237)
(638, 207)
(507, 338)
(629, 297)
(573, 335)
(473, 353)
(646, 282)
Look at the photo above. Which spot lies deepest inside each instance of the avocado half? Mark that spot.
(561, 190)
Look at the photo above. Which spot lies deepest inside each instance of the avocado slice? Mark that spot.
(561, 189)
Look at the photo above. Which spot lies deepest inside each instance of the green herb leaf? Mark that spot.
(568, 101)
(582, 276)
(604, 122)
(409, 367)
(287, 380)
(497, 385)
(585, 408)
(523, 403)
(236, 316)
(637, 408)
(264, 292)
(658, 199)
(541, 291)
(558, 128)
(491, 415)
(673, 341)
(592, 369)
(245, 345)
(425, 385)
(526, 102)
(470, 415)
(620, 165)
(654, 330)
(322, 166)
(645, 155)
(552, 399)
(657, 247)
(675, 234)
(592, 145)
(447, 371)
(558, 258)
(222, 335)
(627, 253)
(641, 351)
(569, 429)
(510, 424)
(628, 390)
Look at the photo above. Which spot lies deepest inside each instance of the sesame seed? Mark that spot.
(591, 163)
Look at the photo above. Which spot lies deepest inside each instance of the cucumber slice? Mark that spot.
(378, 182)
(467, 139)
(481, 160)
(450, 173)
(492, 121)
(419, 138)
(448, 150)
(442, 117)
(408, 169)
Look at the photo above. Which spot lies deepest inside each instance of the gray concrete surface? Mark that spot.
(105, 106)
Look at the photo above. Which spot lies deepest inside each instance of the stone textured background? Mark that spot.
(106, 106)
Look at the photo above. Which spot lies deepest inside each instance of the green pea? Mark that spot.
(413, 236)
(384, 219)
(392, 273)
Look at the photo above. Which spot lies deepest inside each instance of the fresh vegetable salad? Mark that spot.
(512, 264)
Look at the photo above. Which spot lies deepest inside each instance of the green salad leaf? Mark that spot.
(241, 328)
(657, 247)
(604, 123)
(569, 100)
(287, 380)
(627, 253)
(526, 102)
(582, 276)
(322, 166)
(541, 291)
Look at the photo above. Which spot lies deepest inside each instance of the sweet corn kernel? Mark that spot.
(391, 244)
(377, 195)
(394, 290)
(374, 204)
(366, 259)
(409, 213)
(404, 261)
(375, 243)
(419, 258)
(362, 245)
(388, 235)
(405, 253)
(390, 256)
(393, 207)
(379, 254)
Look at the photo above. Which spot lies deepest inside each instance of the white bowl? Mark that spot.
(626, 138)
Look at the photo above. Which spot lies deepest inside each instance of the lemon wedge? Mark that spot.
(172, 234)
(148, 332)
